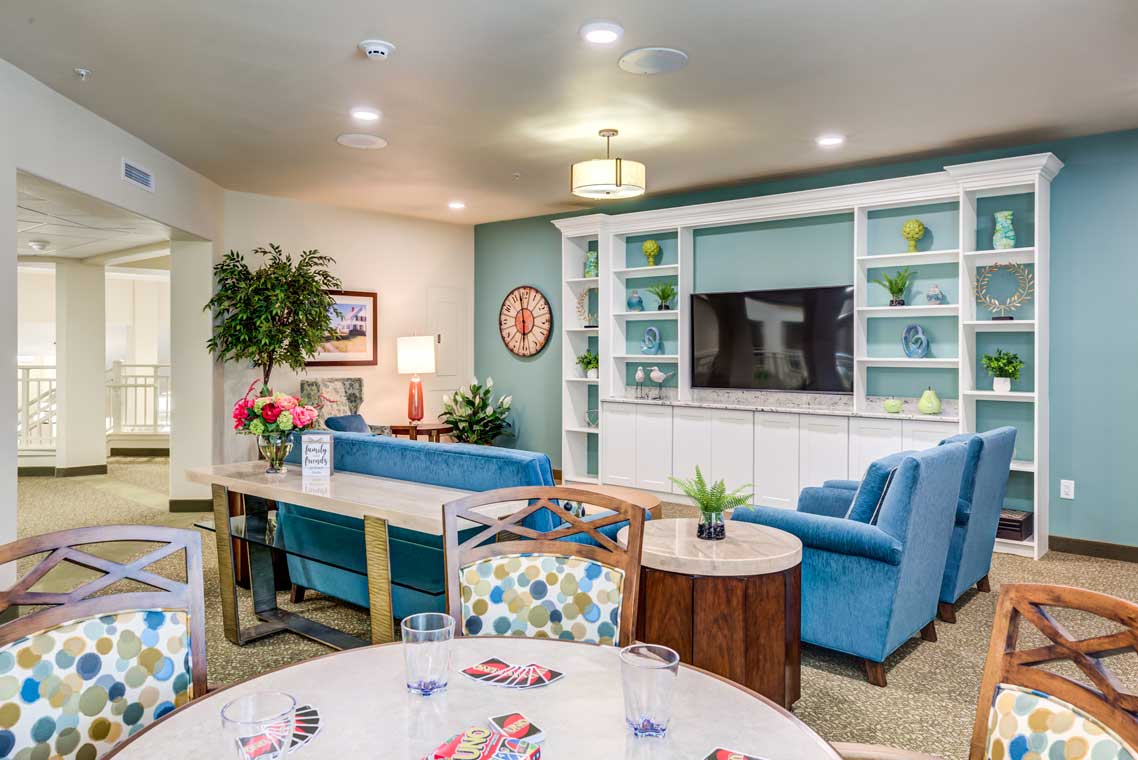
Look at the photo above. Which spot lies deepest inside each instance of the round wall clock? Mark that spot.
(525, 321)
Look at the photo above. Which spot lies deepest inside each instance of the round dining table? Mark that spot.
(366, 711)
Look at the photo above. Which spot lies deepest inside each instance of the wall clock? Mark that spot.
(525, 321)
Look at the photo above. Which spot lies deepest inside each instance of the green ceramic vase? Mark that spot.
(929, 403)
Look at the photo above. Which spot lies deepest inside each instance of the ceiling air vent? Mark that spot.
(136, 175)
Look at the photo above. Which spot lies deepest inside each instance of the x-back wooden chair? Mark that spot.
(510, 579)
(93, 665)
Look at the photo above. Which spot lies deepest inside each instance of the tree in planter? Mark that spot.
(277, 314)
(473, 415)
(1004, 367)
(896, 285)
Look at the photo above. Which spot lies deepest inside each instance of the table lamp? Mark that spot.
(414, 355)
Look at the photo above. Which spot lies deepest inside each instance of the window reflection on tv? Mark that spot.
(786, 340)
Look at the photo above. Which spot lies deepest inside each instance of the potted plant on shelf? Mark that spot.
(1004, 367)
(589, 364)
(712, 503)
(664, 292)
(473, 414)
(896, 285)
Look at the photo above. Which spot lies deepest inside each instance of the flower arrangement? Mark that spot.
(473, 415)
(271, 413)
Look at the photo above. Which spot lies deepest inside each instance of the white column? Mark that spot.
(194, 377)
(81, 365)
(7, 349)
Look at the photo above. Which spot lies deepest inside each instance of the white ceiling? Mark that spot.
(75, 225)
(253, 93)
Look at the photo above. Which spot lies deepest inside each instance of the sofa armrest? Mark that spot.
(963, 511)
(832, 534)
(848, 485)
(832, 502)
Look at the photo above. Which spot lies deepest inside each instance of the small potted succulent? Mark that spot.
(589, 364)
(712, 502)
(896, 285)
(1004, 367)
(664, 292)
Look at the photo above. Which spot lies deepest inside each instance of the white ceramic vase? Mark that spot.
(592, 374)
(1002, 384)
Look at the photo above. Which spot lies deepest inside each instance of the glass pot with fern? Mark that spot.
(712, 501)
(896, 285)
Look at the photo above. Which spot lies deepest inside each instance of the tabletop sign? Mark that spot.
(316, 456)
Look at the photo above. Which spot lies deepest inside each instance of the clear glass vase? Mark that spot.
(274, 448)
(711, 526)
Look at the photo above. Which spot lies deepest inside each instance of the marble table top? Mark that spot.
(749, 549)
(367, 713)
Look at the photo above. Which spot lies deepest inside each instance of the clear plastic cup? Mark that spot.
(648, 674)
(259, 724)
(427, 644)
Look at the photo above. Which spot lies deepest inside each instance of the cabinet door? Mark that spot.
(691, 443)
(776, 459)
(823, 451)
(733, 447)
(654, 447)
(924, 434)
(619, 432)
(871, 439)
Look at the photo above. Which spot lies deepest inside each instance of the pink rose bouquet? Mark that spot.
(271, 413)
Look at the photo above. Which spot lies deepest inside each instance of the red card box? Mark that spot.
(483, 744)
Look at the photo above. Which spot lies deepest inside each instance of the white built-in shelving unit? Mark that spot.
(970, 191)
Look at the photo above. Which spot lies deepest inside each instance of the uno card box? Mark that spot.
(483, 744)
(517, 726)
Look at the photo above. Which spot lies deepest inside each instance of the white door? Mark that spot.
(691, 443)
(823, 449)
(776, 459)
(619, 429)
(924, 434)
(654, 447)
(733, 447)
(872, 439)
(445, 311)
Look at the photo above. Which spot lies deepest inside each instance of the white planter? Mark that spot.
(592, 374)
(1002, 384)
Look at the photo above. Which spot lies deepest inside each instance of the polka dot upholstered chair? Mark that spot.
(511, 580)
(89, 667)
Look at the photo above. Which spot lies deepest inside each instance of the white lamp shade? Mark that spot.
(608, 178)
(415, 354)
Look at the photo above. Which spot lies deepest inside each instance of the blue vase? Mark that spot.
(635, 302)
(1005, 234)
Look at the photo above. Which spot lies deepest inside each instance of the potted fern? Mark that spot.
(1004, 367)
(896, 285)
(712, 503)
(664, 292)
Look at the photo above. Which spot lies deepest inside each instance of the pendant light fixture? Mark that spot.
(607, 177)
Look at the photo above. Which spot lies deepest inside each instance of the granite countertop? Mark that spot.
(827, 411)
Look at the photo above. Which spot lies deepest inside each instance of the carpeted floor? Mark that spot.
(929, 704)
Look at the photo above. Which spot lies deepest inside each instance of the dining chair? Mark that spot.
(87, 667)
(510, 579)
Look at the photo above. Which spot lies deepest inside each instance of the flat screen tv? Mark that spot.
(786, 340)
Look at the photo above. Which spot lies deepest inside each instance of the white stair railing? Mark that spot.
(35, 407)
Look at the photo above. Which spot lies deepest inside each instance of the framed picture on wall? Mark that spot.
(355, 318)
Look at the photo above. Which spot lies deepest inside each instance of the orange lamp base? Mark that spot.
(415, 399)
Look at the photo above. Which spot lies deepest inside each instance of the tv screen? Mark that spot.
(784, 340)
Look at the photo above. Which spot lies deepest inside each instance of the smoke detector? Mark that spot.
(377, 50)
(39, 246)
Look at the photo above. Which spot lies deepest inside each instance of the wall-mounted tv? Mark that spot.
(798, 339)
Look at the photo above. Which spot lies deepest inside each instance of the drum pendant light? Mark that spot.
(607, 177)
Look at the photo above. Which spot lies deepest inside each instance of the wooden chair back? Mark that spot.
(1106, 701)
(508, 537)
(83, 602)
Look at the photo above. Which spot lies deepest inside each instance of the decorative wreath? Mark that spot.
(1026, 288)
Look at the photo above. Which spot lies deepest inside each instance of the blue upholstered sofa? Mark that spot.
(982, 490)
(872, 569)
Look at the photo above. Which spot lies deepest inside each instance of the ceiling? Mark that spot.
(489, 102)
(76, 226)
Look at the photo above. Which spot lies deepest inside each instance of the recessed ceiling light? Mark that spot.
(363, 113)
(81, 73)
(39, 246)
(601, 32)
(361, 142)
(830, 141)
(456, 205)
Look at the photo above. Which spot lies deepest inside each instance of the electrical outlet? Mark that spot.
(1066, 489)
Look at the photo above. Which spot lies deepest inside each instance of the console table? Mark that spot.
(731, 607)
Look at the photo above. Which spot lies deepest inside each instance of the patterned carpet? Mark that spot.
(929, 704)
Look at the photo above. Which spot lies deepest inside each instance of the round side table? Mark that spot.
(731, 607)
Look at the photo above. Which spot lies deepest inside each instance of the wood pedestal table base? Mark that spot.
(731, 607)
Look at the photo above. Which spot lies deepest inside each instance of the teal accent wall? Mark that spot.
(1094, 310)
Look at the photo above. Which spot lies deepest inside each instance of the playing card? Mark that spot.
(524, 678)
(504, 677)
(485, 669)
(545, 675)
(305, 727)
(259, 747)
(727, 754)
(483, 744)
(517, 726)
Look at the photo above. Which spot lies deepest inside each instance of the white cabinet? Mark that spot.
(654, 447)
(870, 439)
(776, 459)
(618, 447)
(924, 434)
(823, 449)
(691, 443)
(732, 447)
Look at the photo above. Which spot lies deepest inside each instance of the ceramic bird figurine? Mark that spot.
(656, 375)
(640, 382)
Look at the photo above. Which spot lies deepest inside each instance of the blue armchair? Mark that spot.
(869, 585)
